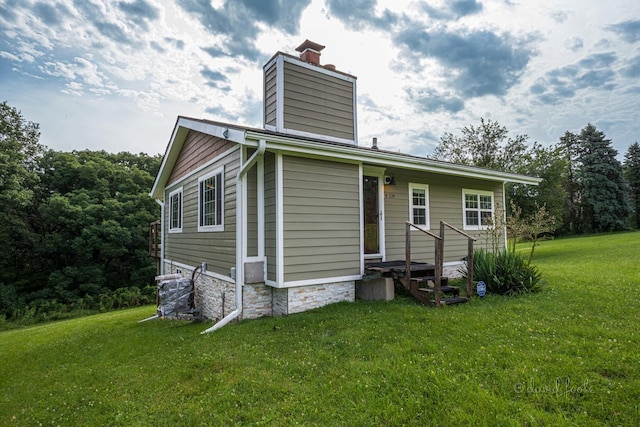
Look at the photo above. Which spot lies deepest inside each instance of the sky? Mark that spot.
(114, 74)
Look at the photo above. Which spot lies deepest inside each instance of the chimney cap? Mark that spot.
(308, 44)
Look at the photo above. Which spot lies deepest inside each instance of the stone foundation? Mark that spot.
(216, 297)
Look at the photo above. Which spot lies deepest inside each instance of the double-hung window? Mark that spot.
(478, 209)
(211, 201)
(175, 211)
(419, 205)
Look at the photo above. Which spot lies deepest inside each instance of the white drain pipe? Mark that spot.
(262, 145)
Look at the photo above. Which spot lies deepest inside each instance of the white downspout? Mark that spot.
(262, 145)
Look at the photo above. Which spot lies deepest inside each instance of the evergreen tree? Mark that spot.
(571, 217)
(604, 204)
(632, 174)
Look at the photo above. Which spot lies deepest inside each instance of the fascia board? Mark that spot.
(387, 159)
(180, 131)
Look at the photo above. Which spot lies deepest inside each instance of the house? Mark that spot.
(283, 219)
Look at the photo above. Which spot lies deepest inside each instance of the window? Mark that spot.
(175, 211)
(419, 205)
(211, 202)
(478, 209)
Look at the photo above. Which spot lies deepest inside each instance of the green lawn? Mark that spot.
(567, 356)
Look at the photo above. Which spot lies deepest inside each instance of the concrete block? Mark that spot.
(377, 289)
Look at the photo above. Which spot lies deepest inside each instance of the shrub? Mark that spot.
(504, 273)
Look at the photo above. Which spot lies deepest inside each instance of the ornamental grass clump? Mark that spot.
(504, 272)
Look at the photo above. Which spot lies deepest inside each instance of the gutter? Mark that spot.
(262, 145)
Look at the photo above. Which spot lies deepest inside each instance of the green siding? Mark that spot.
(252, 210)
(321, 219)
(191, 247)
(270, 213)
(445, 204)
(270, 95)
(318, 103)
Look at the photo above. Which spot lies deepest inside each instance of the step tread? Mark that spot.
(454, 300)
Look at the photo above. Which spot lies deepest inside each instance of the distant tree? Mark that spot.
(632, 174)
(94, 223)
(19, 152)
(604, 203)
(549, 164)
(487, 145)
(569, 145)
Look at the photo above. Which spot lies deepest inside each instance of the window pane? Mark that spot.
(419, 216)
(419, 197)
(471, 201)
(471, 217)
(208, 200)
(485, 202)
(486, 217)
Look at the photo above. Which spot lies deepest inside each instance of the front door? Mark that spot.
(372, 212)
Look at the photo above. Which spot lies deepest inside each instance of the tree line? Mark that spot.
(74, 225)
(584, 186)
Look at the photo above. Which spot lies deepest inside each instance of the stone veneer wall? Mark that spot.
(451, 270)
(209, 292)
(259, 299)
(303, 298)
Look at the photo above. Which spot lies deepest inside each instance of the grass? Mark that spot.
(566, 356)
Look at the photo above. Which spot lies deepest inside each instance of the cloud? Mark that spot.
(239, 21)
(51, 14)
(478, 62)
(139, 12)
(359, 14)
(430, 101)
(453, 10)
(628, 30)
(591, 72)
(574, 44)
(215, 79)
(632, 68)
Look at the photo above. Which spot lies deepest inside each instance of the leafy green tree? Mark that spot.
(487, 145)
(604, 203)
(19, 152)
(94, 223)
(632, 174)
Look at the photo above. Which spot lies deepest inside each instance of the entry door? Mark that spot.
(372, 187)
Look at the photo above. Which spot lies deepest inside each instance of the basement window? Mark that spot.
(211, 201)
(175, 211)
(478, 209)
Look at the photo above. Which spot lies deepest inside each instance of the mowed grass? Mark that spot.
(567, 356)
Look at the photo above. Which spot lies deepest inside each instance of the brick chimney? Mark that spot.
(310, 52)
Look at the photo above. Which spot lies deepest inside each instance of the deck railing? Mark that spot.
(439, 256)
(470, 240)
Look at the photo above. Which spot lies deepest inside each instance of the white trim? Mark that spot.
(180, 191)
(204, 166)
(317, 68)
(261, 209)
(425, 187)
(361, 204)
(206, 273)
(321, 136)
(385, 158)
(279, 220)
(466, 191)
(217, 130)
(216, 227)
(311, 282)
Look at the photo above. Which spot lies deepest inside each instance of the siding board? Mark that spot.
(321, 221)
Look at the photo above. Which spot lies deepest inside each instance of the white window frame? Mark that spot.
(425, 187)
(219, 215)
(477, 209)
(174, 193)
